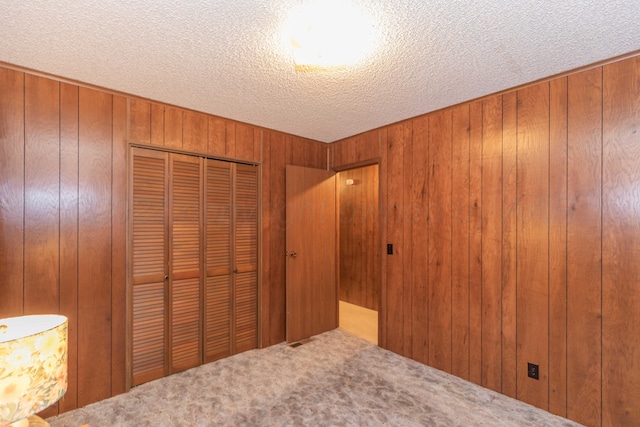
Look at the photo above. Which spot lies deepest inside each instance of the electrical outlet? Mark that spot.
(533, 371)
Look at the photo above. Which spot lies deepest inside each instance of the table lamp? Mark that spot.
(33, 367)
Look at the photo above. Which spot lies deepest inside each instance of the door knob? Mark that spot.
(166, 277)
(292, 254)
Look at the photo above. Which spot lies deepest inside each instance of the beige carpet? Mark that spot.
(334, 380)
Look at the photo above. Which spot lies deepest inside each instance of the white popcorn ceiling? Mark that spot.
(228, 58)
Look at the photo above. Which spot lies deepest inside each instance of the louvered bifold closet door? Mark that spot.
(185, 219)
(246, 258)
(218, 285)
(148, 236)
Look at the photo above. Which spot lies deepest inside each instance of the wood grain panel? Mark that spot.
(492, 243)
(257, 144)
(265, 250)
(440, 154)
(12, 193)
(420, 241)
(558, 247)
(139, 121)
(69, 235)
(119, 247)
(533, 242)
(157, 125)
(94, 245)
(460, 242)
(195, 132)
(584, 247)
(230, 139)
(217, 137)
(621, 245)
(395, 236)
(407, 225)
(244, 141)
(278, 223)
(173, 128)
(475, 242)
(384, 238)
(42, 195)
(509, 254)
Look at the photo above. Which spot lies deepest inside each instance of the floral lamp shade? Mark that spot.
(33, 364)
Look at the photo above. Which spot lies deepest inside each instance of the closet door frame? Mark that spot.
(129, 230)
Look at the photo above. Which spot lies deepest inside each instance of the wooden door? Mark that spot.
(148, 239)
(185, 219)
(311, 294)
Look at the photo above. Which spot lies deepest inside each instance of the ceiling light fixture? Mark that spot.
(330, 34)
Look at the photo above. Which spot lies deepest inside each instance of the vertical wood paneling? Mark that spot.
(157, 125)
(460, 242)
(119, 247)
(395, 219)
(384, 238)
(139, 121)
(244, 141)
(492, 243)
(88, 189)
(230, 139)
(173, 128)
(509, 195)
(265, 251)
(42, 195)
(217, 137)
(69, 235)
(533, 242)
(278, 222)
(440, 155)
(584, 246)
(558, 247)
(257, 144)
(475, 242)
(195, 130)
(12, 191)
(420, 241)
(94, 246)
(407, 168)
(621, 245)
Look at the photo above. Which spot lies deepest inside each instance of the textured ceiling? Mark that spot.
(229, 58)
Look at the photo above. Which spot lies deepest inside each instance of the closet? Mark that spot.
(193, 261)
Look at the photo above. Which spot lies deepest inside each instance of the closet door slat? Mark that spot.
(149, 238)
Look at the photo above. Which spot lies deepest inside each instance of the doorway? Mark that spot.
(359, 251)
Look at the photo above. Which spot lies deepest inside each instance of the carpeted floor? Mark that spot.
(335, 379)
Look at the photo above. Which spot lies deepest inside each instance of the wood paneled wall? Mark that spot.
(63, 178)
(516, 226)
(359, 249)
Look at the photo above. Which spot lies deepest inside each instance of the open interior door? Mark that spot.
(311, 287)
